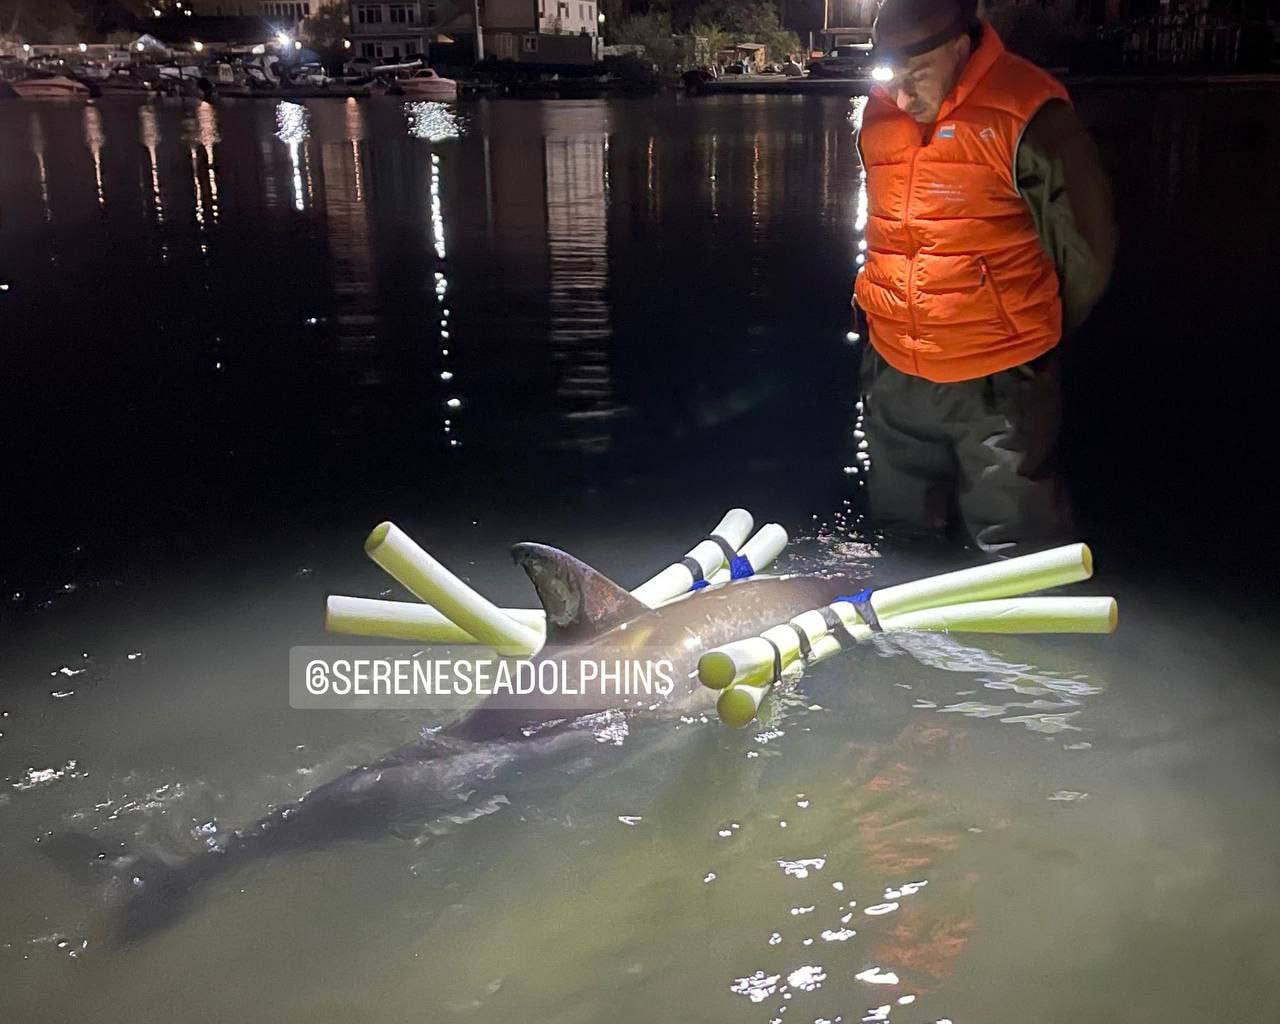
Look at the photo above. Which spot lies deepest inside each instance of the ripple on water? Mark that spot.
(807, 978)
(35, 777)
(801, 868)
(757, 987)
(877, 976)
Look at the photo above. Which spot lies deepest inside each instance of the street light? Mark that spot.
(283, 39)
(346, 44)
(139, 47)
(297, 44)
(600, 17)
(84, 47)
(197, 46)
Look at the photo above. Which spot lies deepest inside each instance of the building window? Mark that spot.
(291, 11)
(369, 16)
(402, 14)
(430, 16)
(530, 44)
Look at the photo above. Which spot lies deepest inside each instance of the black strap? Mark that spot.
(694, 567)
(836, 624)
(725, 547)
(961, 24)
(806, 648)
(861, 602)
(777, 659)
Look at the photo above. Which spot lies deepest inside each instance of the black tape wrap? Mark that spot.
(694, 567)
(861, 602)
(725, 547)
(806, 648)
(836, 624)
(777, 659)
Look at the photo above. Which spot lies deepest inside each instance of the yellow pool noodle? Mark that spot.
(430, 581)
(676, 579)
(1024, 615)
(761, 550)
(1009, 578)
(405, 620)
(409, 620)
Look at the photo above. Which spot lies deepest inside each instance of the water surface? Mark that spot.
(237, 336)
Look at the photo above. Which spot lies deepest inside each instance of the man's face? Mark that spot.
(921, 84)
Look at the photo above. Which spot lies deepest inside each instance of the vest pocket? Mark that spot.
(989, 283)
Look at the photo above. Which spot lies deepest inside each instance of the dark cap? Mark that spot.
(907, 28)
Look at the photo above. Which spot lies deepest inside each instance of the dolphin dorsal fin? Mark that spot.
(580, 602)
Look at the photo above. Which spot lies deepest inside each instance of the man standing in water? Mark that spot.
(989, 234)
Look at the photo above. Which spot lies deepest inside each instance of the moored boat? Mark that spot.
(50, 87)
(427, 85)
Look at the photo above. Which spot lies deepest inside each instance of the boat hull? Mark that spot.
(50, 89)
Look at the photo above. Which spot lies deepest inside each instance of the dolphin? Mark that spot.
(589, 617)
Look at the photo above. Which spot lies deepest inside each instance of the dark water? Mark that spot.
(236, 337)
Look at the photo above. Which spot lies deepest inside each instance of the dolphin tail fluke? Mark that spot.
(79, 854)
(149, 890)
(158, 892)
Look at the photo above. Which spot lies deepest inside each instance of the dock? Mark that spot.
(781, 85)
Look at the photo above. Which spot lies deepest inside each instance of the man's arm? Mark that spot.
(1061, 177)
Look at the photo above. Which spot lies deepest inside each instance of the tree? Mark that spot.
(744, 21)
(653, 32)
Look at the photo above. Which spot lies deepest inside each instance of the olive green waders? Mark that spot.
(982, 448)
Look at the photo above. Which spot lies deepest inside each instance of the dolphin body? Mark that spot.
(588, 617)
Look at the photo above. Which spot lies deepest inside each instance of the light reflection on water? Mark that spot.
(292, 128)
(881, 847)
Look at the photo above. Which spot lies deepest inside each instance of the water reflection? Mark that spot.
(95, 138)
(453, 401)
(578, 263)
(37, 147)
(354, 123)
(150, 129)
(862, 457)
(434, 122)
(292, 128)
(207, 122)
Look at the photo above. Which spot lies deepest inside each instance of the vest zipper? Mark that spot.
(990, 282)
(911, 262)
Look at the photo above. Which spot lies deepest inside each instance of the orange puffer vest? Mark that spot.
(956, 283)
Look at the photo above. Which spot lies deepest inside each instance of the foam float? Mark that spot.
(455, 613)
(984, 599)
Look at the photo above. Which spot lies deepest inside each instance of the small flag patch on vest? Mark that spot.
(947, 131)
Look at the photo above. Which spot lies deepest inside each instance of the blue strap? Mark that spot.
(699, 584)
(740, 568)
(861, 602)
